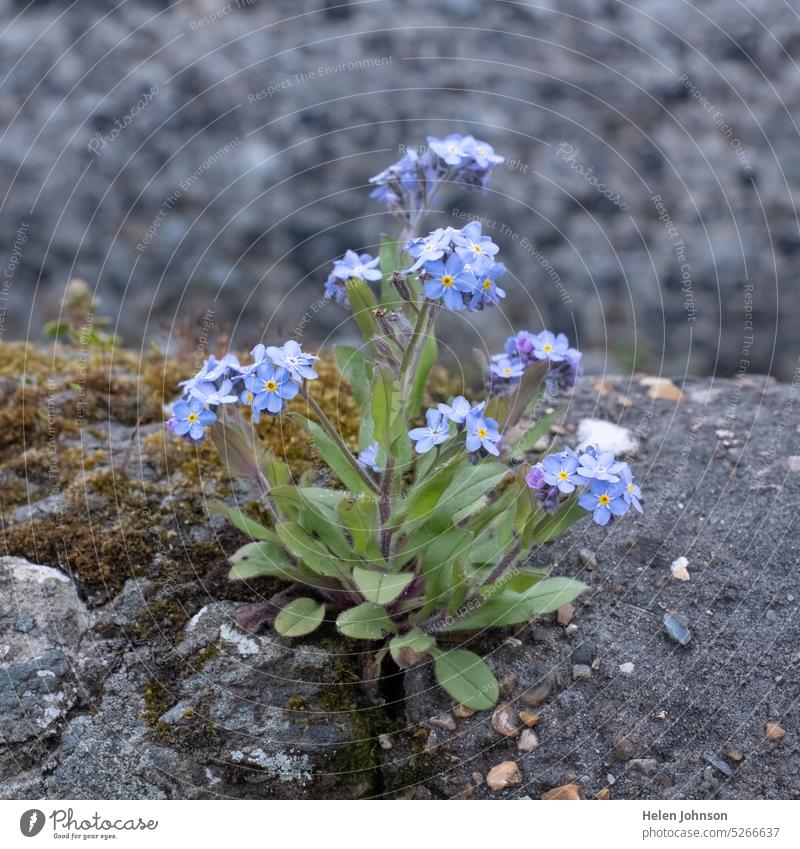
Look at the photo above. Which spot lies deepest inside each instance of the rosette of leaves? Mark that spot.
(430, 546)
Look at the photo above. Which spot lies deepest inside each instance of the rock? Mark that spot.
(538, 694)
(606, 435)
(774, 732)
(528, 718)
(503, 776)
(512, 642)
(627, 668)
(794, 463)
(504, 721)
(565, 614)
(431, 742)
(584, 653)
(581, 672)
(677, 628)
(588, 558)
(662, 388)
(566, 792)
(717, 763)
(603, 794)
(463, 711)
(385, 742)
(625, 748)
(679, 570)
(508, 684)
(528, 741)
(645, 766)
(444, 721)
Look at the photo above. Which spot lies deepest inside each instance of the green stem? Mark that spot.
(415, 347)
(333, 433)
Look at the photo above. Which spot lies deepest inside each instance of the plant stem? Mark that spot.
(333, 433)
(413, 352)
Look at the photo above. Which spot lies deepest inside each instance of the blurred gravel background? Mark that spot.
(196, 158)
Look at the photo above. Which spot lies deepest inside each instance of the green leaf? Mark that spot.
(360, 517)
(467, 678)
(389, 262)
(367, 621)
(356, 369)
(404, 649)
(238, 446)
(310, 551)
(531, 435)
(299, 617)
(511, 608)
(466, 489)
(243, 522)
(509, 409)
(276, 471)
(261, 558)
(336, 459)
(423, 497)
(362, 303)
(383, 406)
(381, 587)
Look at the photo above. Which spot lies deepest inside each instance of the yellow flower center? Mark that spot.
(547, 348)
(506, 371)
(482, 432)
(447, 281)
(487, 283)
(249, 397)
(604, 500)
(477, 248)
(270, 386)
(192, 417)
(630, 487)
(563, 475)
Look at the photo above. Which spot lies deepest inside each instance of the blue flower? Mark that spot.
(292, 358)
(604, 500)
(599, 465)
(548, 346)
(368, 458)
(434, 433)
(452, 149)
(506, 368)
(564, 375)
(547, 497)
(483, 433)
(431, 247)
(364, 267)
(560, 470)
(448, 281)
(482, 153)
(459, 409)
(335, 291)
(191, 418)
(270, 387)
(631, 492)
(211, 371)
(212, 395)
(486, 289)
(521, 346)
(475, 248)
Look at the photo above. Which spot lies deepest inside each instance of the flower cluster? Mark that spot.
(351, 267)
(407, 186)
(525, 348)
(273, 378)
(482, 433)
(458, 267)
(609, 488)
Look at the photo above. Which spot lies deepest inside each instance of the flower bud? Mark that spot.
(400, 283)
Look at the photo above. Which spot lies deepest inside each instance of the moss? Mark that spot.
(156, 701)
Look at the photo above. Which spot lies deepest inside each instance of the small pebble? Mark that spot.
(477, 778)
(385, 742)
(588, 558)
(611, 779)
(508, 684)
(570, 792)
(679, 570)
(644, 766)
(445, 721)
(581, 672)
(512, 643)
(504, 775)
(529, 718)
(504, 721)
(463, 711)
(528, 741)
(571, 630)
(538, 694)
(677, 628)
(774, 732)
(627, 668)
(717, 763)
(565, 614)
(603, 794)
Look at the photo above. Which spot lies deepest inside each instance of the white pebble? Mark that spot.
(679, 570)
(627, 668)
